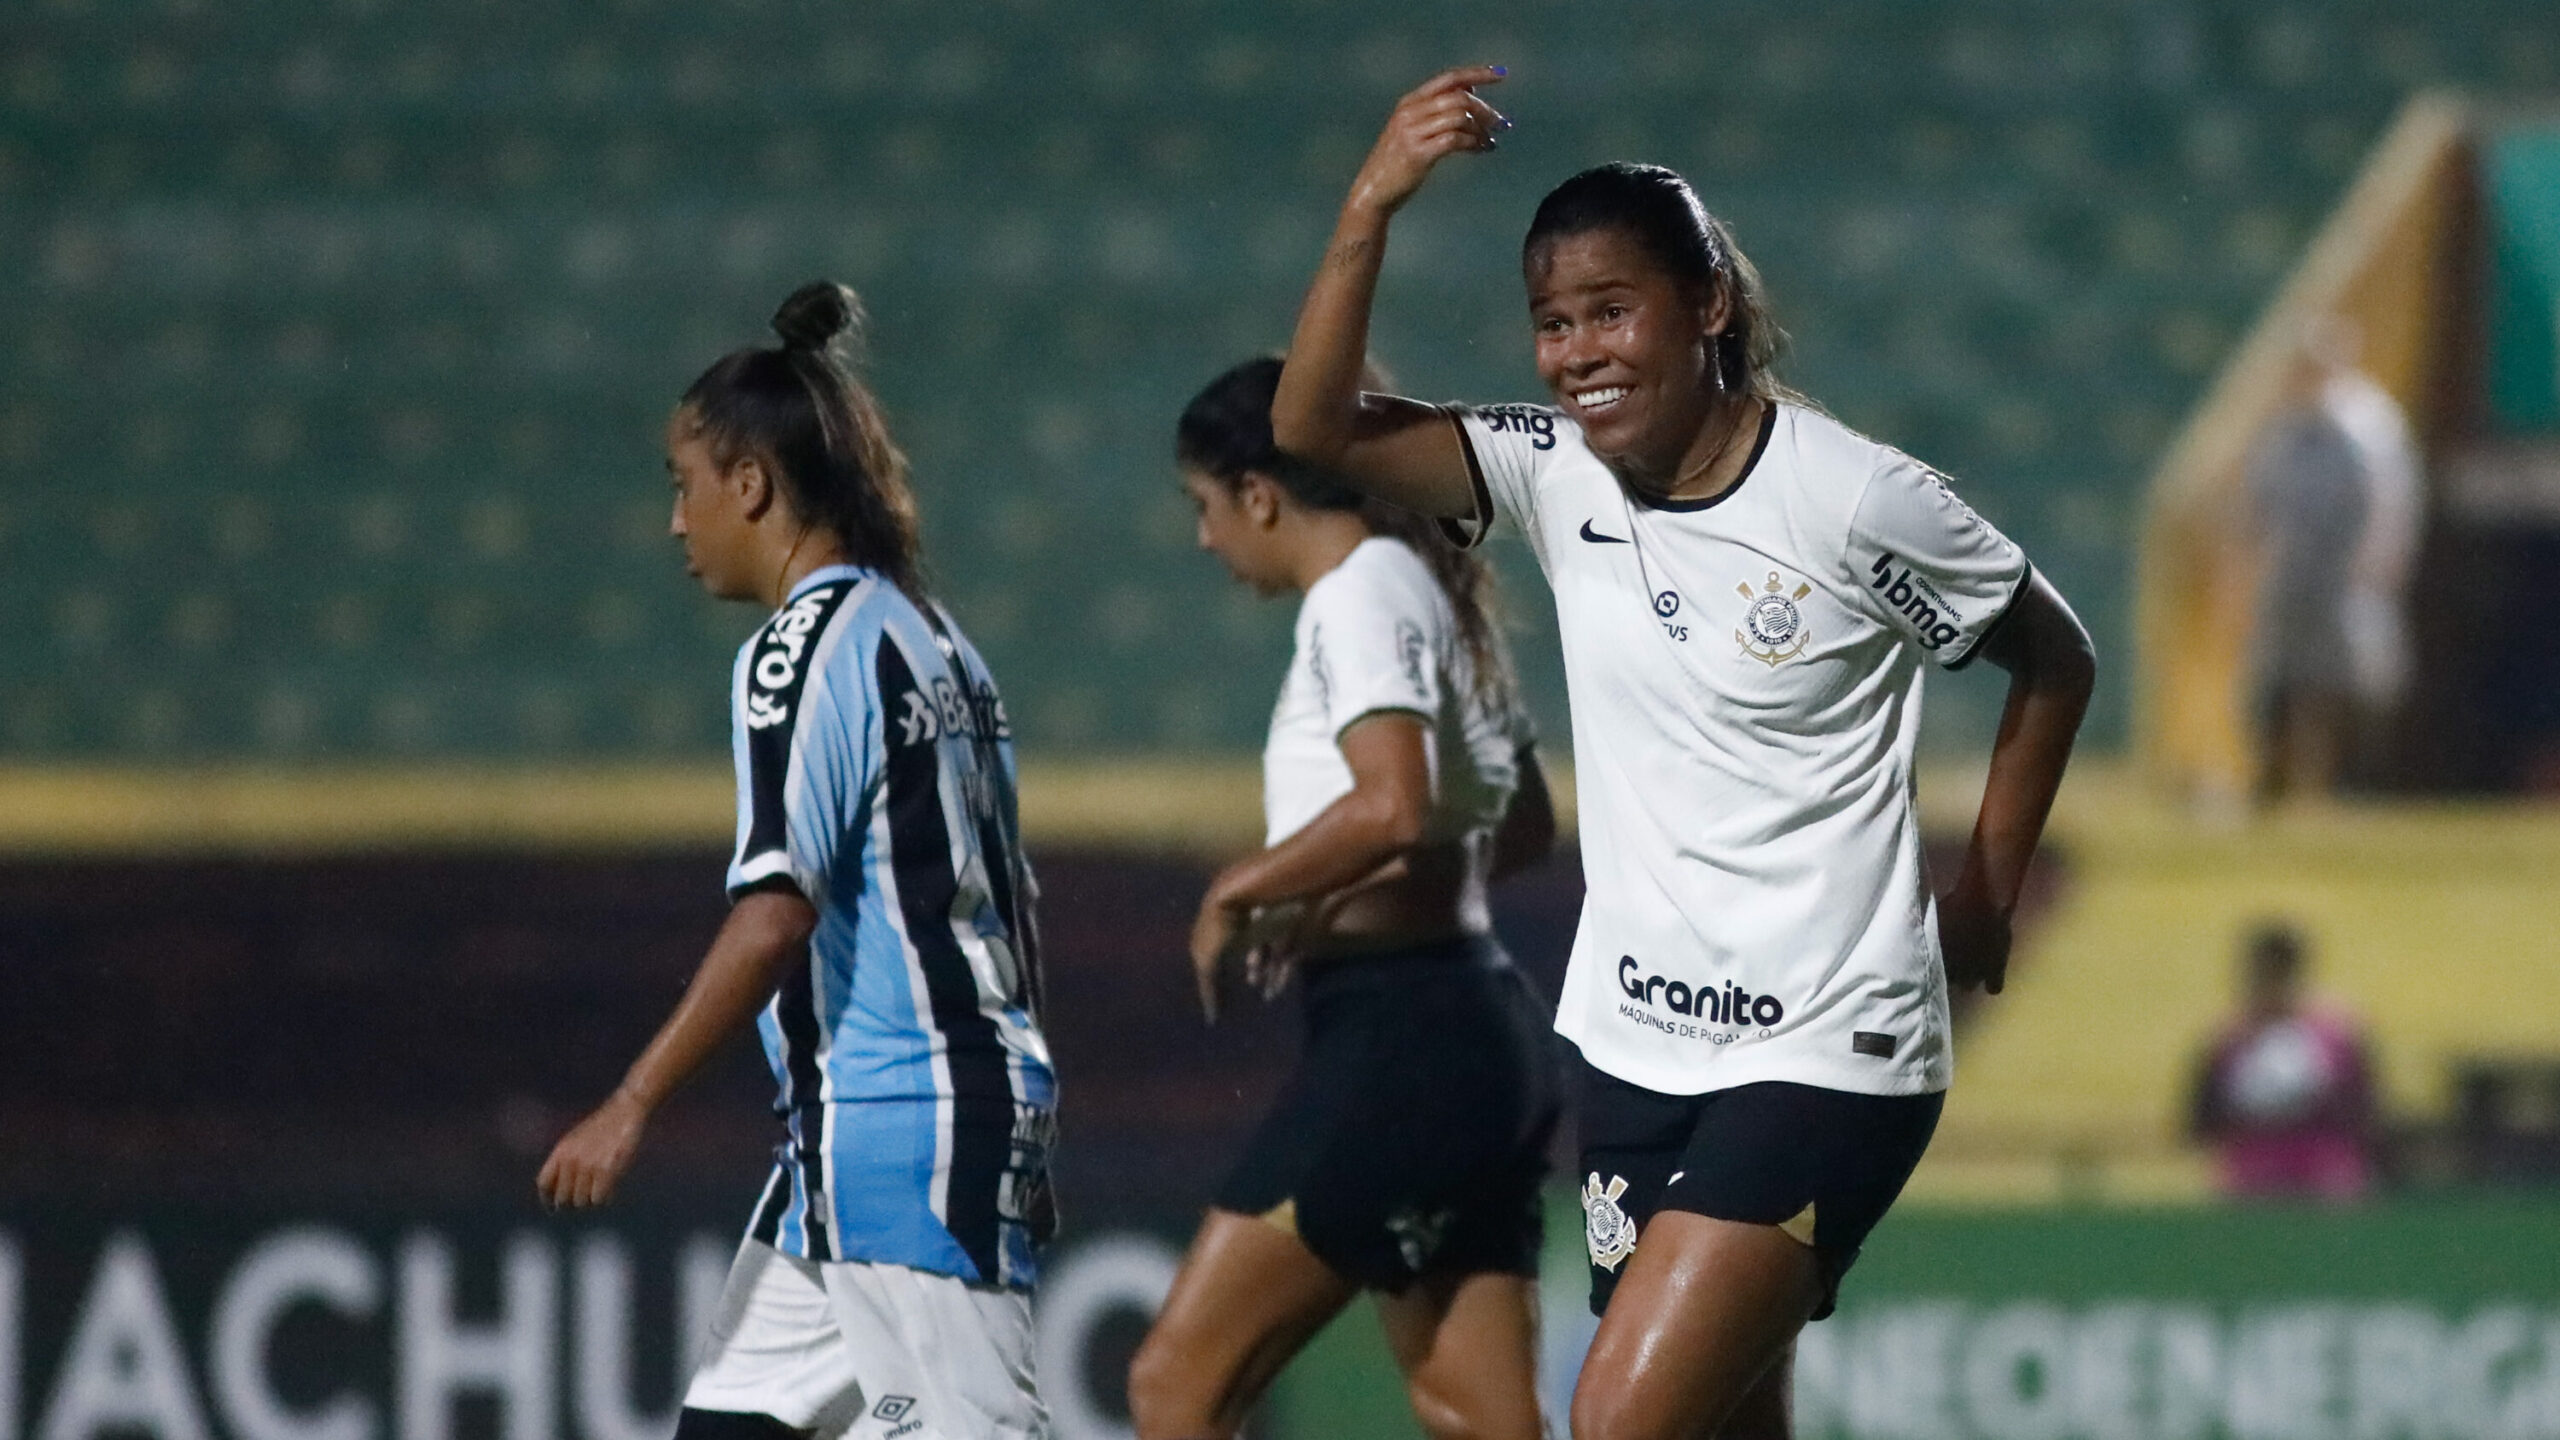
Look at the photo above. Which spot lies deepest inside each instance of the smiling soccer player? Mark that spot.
(1746, 591)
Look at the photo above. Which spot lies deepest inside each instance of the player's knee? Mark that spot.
(1451, 1410)
(1602, 1412)
(692, 1424)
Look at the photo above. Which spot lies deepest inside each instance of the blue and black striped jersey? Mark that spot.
(876, 776)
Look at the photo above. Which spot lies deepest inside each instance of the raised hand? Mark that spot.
(1437, 119)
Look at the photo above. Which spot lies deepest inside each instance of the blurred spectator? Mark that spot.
(2286, 1093)
(2334, 494)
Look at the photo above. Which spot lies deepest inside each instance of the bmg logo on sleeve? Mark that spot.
(1539, 425)
(1918, 600)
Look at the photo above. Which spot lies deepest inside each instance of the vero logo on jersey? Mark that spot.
(1918, 600)
(779, 651)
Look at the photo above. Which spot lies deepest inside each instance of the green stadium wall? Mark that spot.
(339, 335)
(2409, 1321)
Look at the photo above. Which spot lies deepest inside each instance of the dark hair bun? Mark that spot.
(816, 314)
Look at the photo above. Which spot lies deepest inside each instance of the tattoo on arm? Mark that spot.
(1350, 254)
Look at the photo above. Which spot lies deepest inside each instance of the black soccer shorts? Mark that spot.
(1824, 1165)
(1412, 1138)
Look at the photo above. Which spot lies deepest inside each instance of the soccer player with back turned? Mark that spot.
(880, 922)
(1746, 591)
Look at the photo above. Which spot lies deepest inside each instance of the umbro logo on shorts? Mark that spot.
(893, 1408)
(1596, 538)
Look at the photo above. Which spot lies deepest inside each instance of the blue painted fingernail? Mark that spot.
(1501, 69)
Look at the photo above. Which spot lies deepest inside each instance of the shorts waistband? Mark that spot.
(1406, 965)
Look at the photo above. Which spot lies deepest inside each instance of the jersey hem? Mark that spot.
(1450, 526)
(1416, 712)
(771, 865)
(1732, 1074)
(2007, 608)
(968, 1277)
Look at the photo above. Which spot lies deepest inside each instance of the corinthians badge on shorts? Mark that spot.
(1606, 1231)
(1773, 627)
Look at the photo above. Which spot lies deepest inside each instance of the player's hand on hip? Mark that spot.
(589, 1160)
(1268, 968)
(1217, 933)
(1437, 119)
(1973, 937)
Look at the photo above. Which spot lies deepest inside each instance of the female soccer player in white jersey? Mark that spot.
(1404, 1156)
(1746, 592)
(880, 922)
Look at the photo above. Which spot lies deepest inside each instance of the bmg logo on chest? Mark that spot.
(1773, 630)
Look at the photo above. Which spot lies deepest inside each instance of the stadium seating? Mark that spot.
(335, 337)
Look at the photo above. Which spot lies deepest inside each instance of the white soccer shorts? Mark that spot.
(858, 1351)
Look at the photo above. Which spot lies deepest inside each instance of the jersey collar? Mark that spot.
(1768, 426)
(823, 575)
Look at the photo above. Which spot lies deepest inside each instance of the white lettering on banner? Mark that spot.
(125, 1369)
(12, 1339)
(285, 1269)
(2137, 1370)
(601, 1390)
(515, 1356)
(1904, 1389)
(2013, 1374)
(1083, 1288)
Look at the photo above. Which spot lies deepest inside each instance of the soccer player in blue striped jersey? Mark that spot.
(880, 932)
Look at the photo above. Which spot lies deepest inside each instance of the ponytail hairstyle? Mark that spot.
(1658, 210)
(799, 409)
(1225, 434)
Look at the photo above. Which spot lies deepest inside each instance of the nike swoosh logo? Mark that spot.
(1596, 538)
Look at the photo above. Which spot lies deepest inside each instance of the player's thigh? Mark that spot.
(775, 1347)
(1468, 1347)
(1704, 1310)
(1248, 1297)
(937, 1358)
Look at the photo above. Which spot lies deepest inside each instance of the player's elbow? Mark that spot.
(1306, 430)
(1308, 441)
(1400, 828)
(1394, 819)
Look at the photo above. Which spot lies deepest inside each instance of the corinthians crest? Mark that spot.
(1773, 628)
(1606, 1231)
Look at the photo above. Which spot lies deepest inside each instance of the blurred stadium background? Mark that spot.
(362, 753)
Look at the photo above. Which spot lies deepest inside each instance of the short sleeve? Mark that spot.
(802, 746)
(1930, 567)
(1370, 650)
(1506, 447)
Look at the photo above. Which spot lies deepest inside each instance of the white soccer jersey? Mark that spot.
(1376, 633)
(1745, 679)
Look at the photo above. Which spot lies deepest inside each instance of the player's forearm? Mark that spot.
(764, 935)
(1527, 834)
(1315, 414)
(1343, 845)
(2051, 679)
